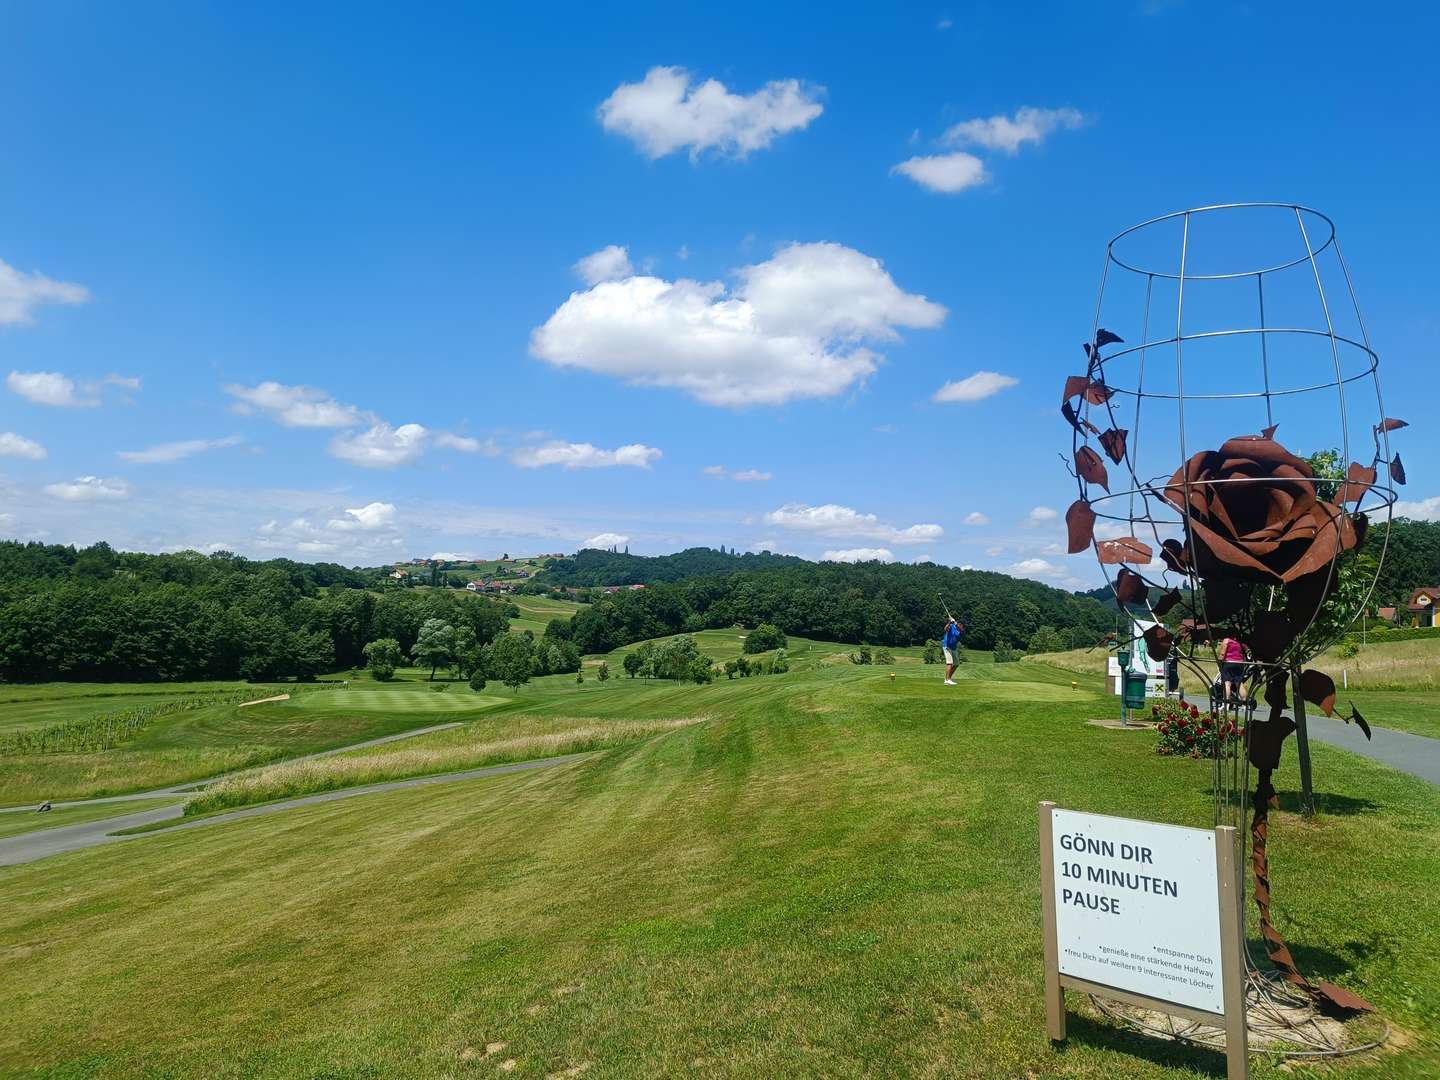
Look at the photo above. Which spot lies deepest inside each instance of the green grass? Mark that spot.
(835, 875)
(18, 822)
(537, 611)
(221, 738)
(27, 706)
(456, 697)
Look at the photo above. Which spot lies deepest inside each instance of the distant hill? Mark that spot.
(875, 603)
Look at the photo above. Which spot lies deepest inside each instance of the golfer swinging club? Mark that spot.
(950, 643)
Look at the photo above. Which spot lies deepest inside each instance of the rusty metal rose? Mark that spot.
(1253, 513)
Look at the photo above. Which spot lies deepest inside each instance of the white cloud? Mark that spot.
(1008, 134)
(1042, 514)
(607, 264)
(859, 555)
(791, 327)
(368, 518)
(84, 488)
(977, 387)
(13, 445)
(947, 174)
(842, 521)
(583, 456)
(606, 540)
(975, 517)
(380, 446)
(125, 382)
(684, 253)
(667, 112)
(21, 294)
(295, 406)
(47, 388)
(451, 556)
(771, 546)
(1035, 568)
(744, 476)
(166, 453)
(466, 444)
(1421, 510)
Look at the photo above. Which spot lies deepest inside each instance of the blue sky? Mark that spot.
(337, 253)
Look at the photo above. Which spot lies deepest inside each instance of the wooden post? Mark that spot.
(1054, 995)
(1232, 963)
(1302, 748)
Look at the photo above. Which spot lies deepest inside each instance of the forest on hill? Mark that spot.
(98, 614)
(874, 603)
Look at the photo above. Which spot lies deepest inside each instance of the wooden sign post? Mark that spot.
(1128, 909)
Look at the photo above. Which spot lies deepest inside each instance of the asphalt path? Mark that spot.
(1418, 755)
(28, 847)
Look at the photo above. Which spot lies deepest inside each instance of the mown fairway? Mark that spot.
(217, 739)
(832, 873)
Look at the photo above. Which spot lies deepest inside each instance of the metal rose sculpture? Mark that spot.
(1246, 539)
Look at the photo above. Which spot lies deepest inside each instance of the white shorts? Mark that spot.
(949, 656)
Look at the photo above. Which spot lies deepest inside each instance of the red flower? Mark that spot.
(1189, 740)
(1181, 721)
(1154, 710)
(1194, 711)
(1205, 723)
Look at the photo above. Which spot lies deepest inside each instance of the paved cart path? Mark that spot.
(189, 786)
(37, 845)
(1418, 755)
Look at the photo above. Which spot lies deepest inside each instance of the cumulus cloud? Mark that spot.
(166, 453)
(977, 387)
(842, 521)
(975, 517)
(48, 388)
(1041, 514)
(947, 174)
(295, 406)
(607, 540)
(368, 518)
(608, 264)
(859, 555)
(22, 293)
(466, 444)
(571, 455)
(1035, 568)
(1419, 510)
(88, 488)
(667, 112)
(790, 327)
(13, 445)
(380, 446)
(1007, 134)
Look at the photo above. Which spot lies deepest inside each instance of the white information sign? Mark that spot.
(1140, 661)
(1136, 907)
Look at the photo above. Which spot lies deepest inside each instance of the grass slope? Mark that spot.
(18, 822)
(222, 738)
(835, 875)
(27, 706)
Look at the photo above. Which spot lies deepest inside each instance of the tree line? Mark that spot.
(872, 603)
(96, 614)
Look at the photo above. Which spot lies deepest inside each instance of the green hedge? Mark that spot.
(1382, 633)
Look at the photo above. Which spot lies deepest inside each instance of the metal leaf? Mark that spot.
(1358, 479)
(1166, 603)
(1319, 689)
(1125, 549)
(1358, 720)
(1391, 425)
(1075, 385)
(1104, 337)
(1158, 640)
(1080, 521)
(1397, 470)
(1113, 443)
(1097, 393)
(1130, 587)
(1091, 468)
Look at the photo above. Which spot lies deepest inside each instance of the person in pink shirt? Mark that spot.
(1232, 668)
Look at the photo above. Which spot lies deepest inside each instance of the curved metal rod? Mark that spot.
(1111, 256)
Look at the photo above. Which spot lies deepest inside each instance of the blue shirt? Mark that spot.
(952, 636)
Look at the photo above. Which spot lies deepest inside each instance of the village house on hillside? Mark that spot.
(1422, 605)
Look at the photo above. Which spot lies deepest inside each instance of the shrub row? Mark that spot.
(1385, 633)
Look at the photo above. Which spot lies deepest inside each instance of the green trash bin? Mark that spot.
(1134, 689)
